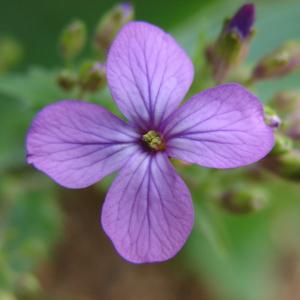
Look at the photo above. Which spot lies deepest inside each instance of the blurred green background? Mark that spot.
(51, 245)
(37, 24)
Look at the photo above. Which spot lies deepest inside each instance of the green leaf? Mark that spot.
(14, 122)
(30, 224)
(34, 89)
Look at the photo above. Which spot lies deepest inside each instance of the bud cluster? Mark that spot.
(285, 156)
(231, 47)
(90, 75)
(226, 54)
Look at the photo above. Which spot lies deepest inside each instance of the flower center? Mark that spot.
(154, 141)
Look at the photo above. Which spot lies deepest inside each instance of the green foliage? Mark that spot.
(34, 89)
(21, 95)
(29, 216)
(30, 223)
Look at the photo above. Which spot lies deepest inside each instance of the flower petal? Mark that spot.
(148, 212)
(148, 73)
(222, 127)
(78, 143)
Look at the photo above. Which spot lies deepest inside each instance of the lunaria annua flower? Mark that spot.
(148, 211)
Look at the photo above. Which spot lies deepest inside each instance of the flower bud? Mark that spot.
(110, 24)
(242, 21)
(271, 118)
(286, 166)
(66, 80)
(244, 199)
(289, 104)
(283, 144)
(11, 53)
(293, 127)
(72, 40)
(231, 47)
(92, 76)
(286, 102)
(281, 62)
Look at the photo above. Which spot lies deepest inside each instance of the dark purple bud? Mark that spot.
(231, 47)
(242, 22)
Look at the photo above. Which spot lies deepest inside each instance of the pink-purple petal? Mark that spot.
(148, 73)
(148, 212)
(222, 127)
(78, 143)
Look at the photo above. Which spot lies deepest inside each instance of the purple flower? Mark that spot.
(242, 22)
(148, 211)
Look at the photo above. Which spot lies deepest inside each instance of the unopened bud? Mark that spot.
(271, 118)
(244, 199)
(72, 40)
(10, 53)
(110, 24)
(283, 144)
(231, 47)
(289, 104)
(281, 62)
(293, 127)
(92, 76)
(242, 22)
(66, 80)
(286, 102)
(286, 166)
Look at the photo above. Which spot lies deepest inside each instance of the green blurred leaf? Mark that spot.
(14, 122)
(30, 223)
(34, 89)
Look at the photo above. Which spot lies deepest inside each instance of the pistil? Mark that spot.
(154, 141)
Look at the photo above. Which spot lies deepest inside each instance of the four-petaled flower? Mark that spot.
(148, 211)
